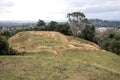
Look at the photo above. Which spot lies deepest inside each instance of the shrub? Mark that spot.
(109, 40)
(88, 33)
(5, 49)
(4, 46)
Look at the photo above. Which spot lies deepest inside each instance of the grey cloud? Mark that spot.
(97, 8)
(105, 16)
(93, 6)
(6, 4)
(102, 9)
(78, 3)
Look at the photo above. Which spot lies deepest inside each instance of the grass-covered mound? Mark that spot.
(36, 41)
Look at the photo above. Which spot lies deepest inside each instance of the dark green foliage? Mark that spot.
(39, 28)
(40, 23)
(85, 20)
(64, 29)
(4, 46)
(6, 33)
(5, 49)
(74, 14)
(77, 21)
(80, 26)
(59, 27)
(52, 26)
(88, 33)
(114, 46)
(109, 40)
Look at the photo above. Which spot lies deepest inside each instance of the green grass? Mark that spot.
(70, 65)
(73, 62)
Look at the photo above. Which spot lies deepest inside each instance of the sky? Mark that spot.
(57, 10)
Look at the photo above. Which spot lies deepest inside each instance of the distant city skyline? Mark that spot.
(56, 10)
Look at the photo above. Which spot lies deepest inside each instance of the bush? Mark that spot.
(5, 49)
(4, 46)
(40, 23)
(64, 29)
(88, 33)
(52, 26)
(109, 40)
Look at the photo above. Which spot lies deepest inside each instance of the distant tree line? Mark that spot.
(54, 26)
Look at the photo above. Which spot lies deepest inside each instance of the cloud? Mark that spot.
(96, 6)
(5, 6)
(57, 9)
(6, 3)
(104, 9)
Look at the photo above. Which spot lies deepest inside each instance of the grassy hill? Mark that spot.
(35, 41)
(54, 56)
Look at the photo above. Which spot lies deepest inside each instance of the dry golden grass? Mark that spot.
(33, 41)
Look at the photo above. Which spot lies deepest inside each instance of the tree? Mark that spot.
(5, 49)
(77, 22)
(64, 28)
(80, 26)
(88, 33)
(6, 33)
(59, 27)
(52, 26)
(4, 46)
(109, 40)
(40, 23)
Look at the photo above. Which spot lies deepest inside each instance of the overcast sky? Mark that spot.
(57, 9)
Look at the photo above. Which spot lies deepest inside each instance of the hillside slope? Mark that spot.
(34, 41)
(78, 59)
